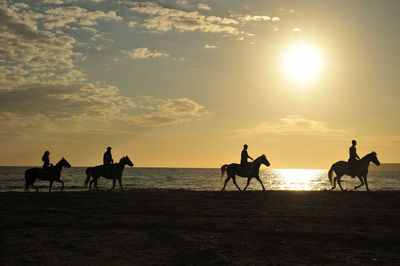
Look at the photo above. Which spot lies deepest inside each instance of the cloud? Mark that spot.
(42, 87)
(141, 53)
(34, 48)
(37, 105)
(168, 111)
(291, 125)
(62, 16)
(255, 18)
(166, 19)
(207, 46)
(55, 2)
(203, 6)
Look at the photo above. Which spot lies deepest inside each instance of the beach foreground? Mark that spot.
(188, 227)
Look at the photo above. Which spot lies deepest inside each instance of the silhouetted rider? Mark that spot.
(107, 160)
(46, 160)
(244, 156)
(353, 157)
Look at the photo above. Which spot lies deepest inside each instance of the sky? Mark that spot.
(186, 83)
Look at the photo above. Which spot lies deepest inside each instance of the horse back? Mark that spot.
(237, 169)
(35, 172)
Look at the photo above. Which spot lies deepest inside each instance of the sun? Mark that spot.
(302, 63)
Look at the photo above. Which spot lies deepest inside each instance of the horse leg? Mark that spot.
(340, 182)
(51, 184)
(334, 183)
(362, 182)
(95, 185)
(226, 181)
(37, 190)
(112, 185)
(234, 182)
(119, 181)
(90, 184)
(62, 183)
(366, 183)
(248, 182)
(259, 180)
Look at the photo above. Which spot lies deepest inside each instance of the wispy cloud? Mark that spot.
(291, 125)
(208, 46)
(203, 6)
(143, 52)
(164, 19)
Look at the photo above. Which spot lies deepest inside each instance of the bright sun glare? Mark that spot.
(302, 63)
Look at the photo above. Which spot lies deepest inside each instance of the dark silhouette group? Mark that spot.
(110, 170)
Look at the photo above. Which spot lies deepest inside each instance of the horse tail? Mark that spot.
(88, 173)
(330, 172)
(223, 170)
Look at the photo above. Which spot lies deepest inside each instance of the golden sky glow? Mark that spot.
(187, 83)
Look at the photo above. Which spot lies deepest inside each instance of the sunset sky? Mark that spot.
(186, 83)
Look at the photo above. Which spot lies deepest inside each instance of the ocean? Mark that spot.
(208, 179)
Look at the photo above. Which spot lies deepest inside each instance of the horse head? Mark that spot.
(264, 160)
(374, 158)
(65, 163)
(126, 160)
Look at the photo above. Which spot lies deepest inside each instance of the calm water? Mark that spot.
(12, 179)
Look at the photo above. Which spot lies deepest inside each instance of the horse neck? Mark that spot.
(121, 164)
(257, 163)
(58, 166)
(366, 160)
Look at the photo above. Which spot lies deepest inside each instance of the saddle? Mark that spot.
(245, 167)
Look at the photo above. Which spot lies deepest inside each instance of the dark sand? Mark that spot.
(185, 227)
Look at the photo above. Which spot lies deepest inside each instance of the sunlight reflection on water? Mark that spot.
(299, 179)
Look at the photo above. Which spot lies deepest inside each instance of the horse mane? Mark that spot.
(59, 162)
(369, 155)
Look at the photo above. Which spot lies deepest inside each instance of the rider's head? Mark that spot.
(109, 148)
(245, 146)
(354, 142)
(46, 153)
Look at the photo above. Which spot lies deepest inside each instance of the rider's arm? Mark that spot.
(249, 157)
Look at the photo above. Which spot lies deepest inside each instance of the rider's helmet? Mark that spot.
(353, 142)
(245, 146)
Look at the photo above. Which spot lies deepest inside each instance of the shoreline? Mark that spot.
(163, 226)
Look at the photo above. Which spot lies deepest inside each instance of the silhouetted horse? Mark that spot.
(51, 173)
(360, 170)
(237, 169)
(113, 172)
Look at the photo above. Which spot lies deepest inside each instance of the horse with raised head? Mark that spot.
(112, 171)
(234, 169)
(342, 168)
(52, 173)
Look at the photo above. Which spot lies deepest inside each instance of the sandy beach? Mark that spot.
(185, 227)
